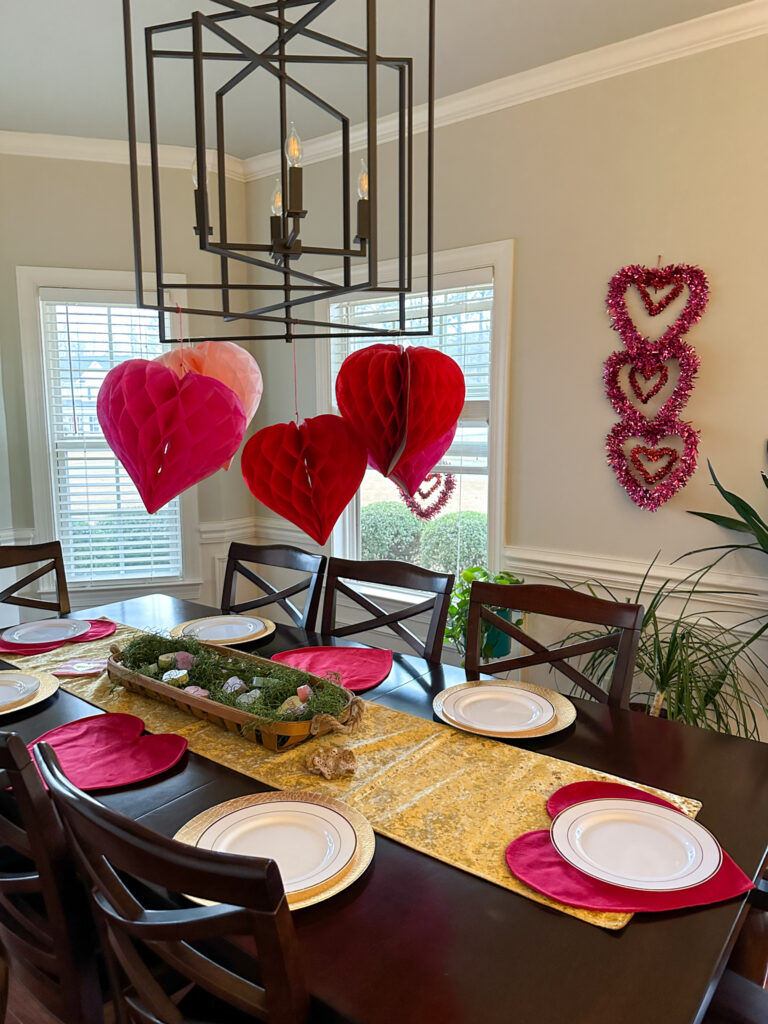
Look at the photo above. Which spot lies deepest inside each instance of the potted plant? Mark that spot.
(688, 664)
(495, 643)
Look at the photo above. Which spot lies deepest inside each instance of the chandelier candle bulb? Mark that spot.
(362, 180)
(277, 199)
(293, 147)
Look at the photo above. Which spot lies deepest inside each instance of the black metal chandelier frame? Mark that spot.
(280, 254)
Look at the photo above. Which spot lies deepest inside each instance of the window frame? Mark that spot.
(498, 257)
(115, 286)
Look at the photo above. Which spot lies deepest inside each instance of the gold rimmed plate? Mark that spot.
(456, 710)
(24, 689)
(321, 845)
(224, 629)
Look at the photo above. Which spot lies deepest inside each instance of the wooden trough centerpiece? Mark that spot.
(273, 734)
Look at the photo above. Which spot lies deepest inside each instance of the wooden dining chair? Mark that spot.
(622, 623)
(280, 556)
(12, 556)
(131, 869)
(46, 927)
(402, 575)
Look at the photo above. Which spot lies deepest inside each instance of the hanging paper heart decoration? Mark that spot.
(308, 473)
(650, 444)
(168, 432)
(410, 472)
(224, 361)
(402, 402)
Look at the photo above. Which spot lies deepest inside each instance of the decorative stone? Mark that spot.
(184, 659)
(176, 677)
(196, 691)
(247, 700)
(292, 706)
(167, 661)
(234, 685)
(304, 693)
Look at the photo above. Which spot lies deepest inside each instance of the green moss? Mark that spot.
(211, 670)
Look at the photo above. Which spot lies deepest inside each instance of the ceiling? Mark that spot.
(62, 71)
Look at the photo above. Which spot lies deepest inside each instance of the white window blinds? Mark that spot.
(105, 532)
(462, 330)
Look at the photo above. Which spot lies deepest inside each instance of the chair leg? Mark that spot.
(5, 978)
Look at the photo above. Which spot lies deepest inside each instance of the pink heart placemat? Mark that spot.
(533, 859)
(358, 668)
(99, 629)
(105, 751)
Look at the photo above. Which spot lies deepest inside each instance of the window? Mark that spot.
(76, 326)
(471, 325)
(105, 532)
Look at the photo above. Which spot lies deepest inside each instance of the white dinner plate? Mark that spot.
(17, 687)
(45, 631)
(494, 709)
(310, 843)
(225, 629)
(636, 845)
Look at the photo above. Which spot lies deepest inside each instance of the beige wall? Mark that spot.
(668, 160)
(64, 213)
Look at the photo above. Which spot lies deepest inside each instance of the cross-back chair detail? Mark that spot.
(281, 556)
(13, 556)
(127, 865)
(46, 927)
(392, 574)
(624, 620)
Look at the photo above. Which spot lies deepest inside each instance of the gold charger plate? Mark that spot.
(269, 628)
(363, 855)
(48, 686)
(565, 712)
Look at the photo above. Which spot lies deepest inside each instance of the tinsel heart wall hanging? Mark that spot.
(653, 468)
(168, 432)
(306, 472)
(432, 495)
(404, 403)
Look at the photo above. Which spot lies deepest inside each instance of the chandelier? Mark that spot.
(272, 278)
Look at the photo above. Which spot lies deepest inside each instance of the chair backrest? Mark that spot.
(281, 556)
(46, 926)
(391, 574)
(622, 622)
(12, 556)
(131, 869)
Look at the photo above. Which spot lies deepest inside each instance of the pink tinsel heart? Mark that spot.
(656, 488)
(642, 278)
(169, 433)
(649, 362)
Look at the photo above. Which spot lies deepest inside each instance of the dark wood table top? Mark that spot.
(416, 941)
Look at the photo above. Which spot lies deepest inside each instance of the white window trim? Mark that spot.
(29, 283)
(499, 257)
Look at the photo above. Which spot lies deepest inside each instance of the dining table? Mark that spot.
(416, 940)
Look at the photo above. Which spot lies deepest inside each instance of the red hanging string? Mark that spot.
(295, 377)
(181, 337)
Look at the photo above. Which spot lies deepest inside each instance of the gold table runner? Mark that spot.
(454, 796)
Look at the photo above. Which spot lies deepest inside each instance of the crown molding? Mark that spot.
(107, 151)
(721, 28)
(732, 25)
